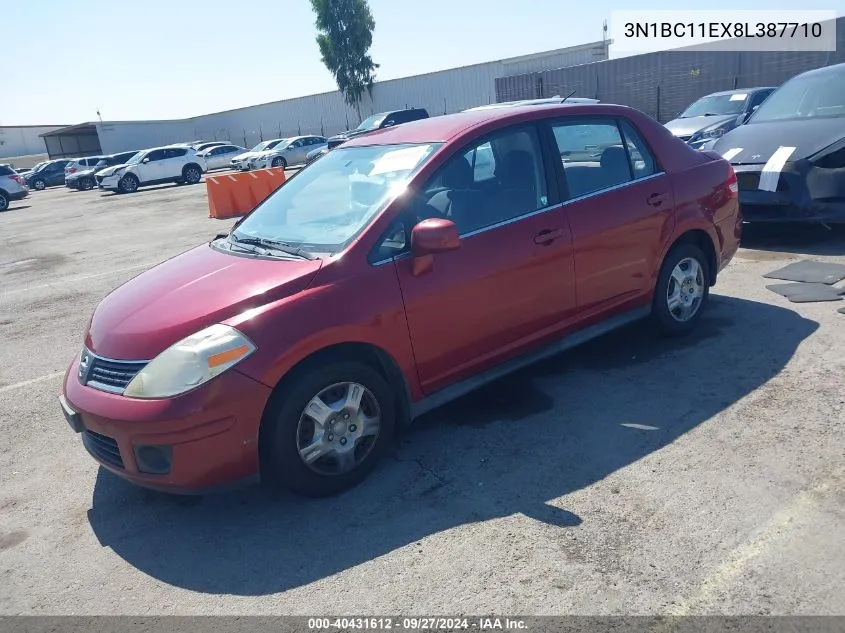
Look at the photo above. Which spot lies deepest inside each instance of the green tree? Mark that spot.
(345, 34)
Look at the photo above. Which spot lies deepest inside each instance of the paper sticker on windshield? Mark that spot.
(399, 160)
(739, 97)
(731, 153)
(771, 170)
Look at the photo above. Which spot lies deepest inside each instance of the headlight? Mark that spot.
(191, 362)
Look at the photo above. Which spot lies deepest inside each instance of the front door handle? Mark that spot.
(547, 236)
(656, 199)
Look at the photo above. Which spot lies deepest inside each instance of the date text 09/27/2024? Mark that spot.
(723, 29)
(417, 624)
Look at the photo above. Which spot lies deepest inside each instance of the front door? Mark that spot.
(510, 284)
(152, 166)
(620, 206)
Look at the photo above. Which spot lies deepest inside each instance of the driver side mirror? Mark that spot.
(146, 160)
(429, 237)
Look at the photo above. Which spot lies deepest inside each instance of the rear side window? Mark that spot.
(593, 155)
(642, 161)
(175, 152)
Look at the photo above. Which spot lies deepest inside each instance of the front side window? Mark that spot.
(493, 181)
(326, 206)
(593, 155)
(805, 97)
(156, 154)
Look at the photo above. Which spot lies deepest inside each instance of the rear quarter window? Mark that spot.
(5, 171)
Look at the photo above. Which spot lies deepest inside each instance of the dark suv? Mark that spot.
(48, 174)
(370, 124)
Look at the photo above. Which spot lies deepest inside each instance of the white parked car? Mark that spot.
(81, 164)
(241, 161)
(293, 152)
(201, 147)
(220, 156)
(152, 167)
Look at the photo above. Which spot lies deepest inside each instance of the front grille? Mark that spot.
(103, 448)
(107, 374)
(750, 181)
(99, 179)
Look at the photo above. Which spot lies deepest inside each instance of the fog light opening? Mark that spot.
(154, 460)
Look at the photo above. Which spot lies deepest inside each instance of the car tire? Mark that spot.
(128, 184)
(4, 201)
(682, 290)
(346, 451)
(85, 184)
(279, 162)
(191, 174)
(39, 184)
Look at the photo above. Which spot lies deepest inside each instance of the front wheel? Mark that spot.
(39, 184)
(128, 184)
(85, 184)
(683, 288)
(324, 433)
(279, 162)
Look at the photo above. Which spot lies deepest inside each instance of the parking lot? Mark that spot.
(633, 475)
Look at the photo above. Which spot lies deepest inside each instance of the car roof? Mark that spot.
(441, 129)
(824, 70)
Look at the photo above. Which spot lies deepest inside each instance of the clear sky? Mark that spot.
(160, 59)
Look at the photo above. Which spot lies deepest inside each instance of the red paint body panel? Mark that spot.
(213, 429)
(439, 318)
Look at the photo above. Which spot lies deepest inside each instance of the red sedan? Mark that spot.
(400, 271)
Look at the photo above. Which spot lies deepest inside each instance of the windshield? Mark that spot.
(714, 105)
(372, 122)
(135, 159)
(331, 201)
(806, 97)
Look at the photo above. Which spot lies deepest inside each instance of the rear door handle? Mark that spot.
(547, 236)
(656, 199)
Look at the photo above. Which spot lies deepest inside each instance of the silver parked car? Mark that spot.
(12, 187)
(220, 156)
(293, 152)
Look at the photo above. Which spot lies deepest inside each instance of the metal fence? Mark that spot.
(664, 83)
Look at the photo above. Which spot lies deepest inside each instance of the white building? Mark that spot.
(23, 140)
(440, 92)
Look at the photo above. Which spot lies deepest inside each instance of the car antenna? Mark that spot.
(567, 96)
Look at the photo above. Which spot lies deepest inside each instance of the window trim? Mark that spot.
(552, 188)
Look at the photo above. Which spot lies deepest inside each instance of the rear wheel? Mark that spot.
(191, 174)
(4, 201)
(325, 431)
(128, 184)
(683, 288)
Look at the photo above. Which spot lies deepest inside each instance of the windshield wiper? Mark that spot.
(712, 114)
(273, 245)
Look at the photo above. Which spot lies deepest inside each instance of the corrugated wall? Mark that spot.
(663, 84)
(439, 92)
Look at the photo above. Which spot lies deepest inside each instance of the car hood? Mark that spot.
(84, 172)
(244, 155)
(758, 141)
(185, 294)
(108, 171)
(693, 124)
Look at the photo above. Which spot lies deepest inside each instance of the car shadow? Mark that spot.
(17, 207)
(516, 446)
(799, 239)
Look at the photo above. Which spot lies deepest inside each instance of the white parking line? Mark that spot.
(79, 278)
(32, 381)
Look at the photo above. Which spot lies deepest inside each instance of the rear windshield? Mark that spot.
(5, 171)
(716, 105)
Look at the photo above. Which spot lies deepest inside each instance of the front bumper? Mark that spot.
(804, 194)
(109, 182)
(209, 435)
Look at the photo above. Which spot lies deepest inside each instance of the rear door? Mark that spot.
(620, 207)
(174, 160)
(510, 284)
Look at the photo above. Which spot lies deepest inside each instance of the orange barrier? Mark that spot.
(235, 194)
